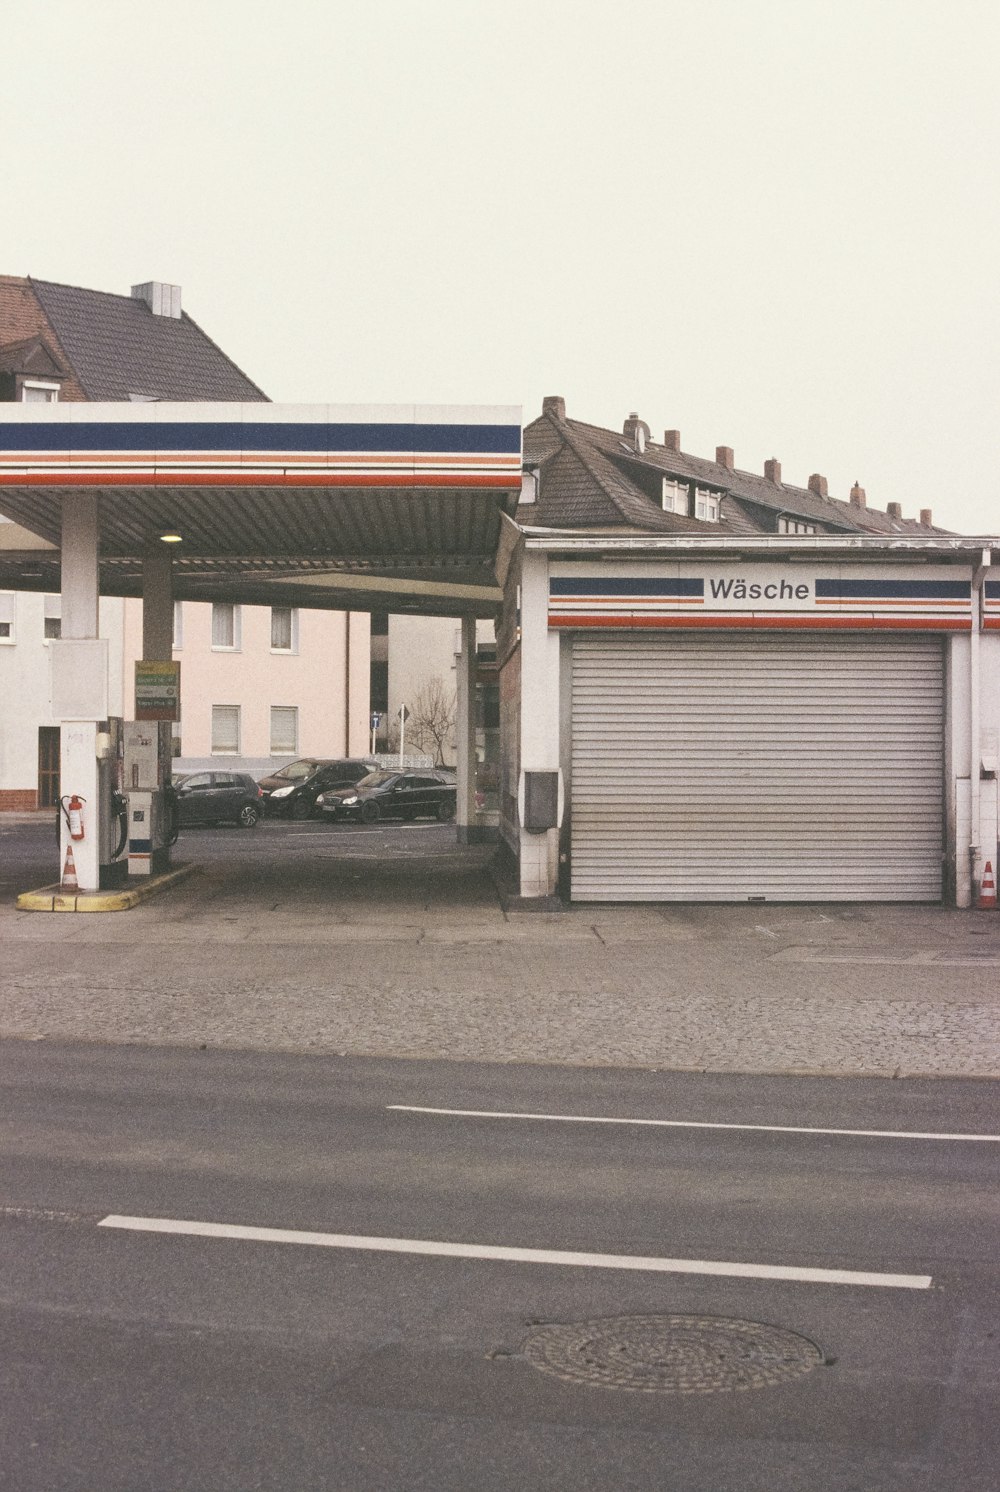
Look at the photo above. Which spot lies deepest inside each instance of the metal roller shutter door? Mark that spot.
(721, 768)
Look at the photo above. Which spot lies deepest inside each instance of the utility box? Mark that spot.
(541, 801)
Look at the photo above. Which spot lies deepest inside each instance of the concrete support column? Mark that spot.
(79, 682)
(80, 589)
(157, 604)
(465, 732)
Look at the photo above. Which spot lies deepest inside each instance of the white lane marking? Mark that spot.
(778, 1129)
(436, 1249)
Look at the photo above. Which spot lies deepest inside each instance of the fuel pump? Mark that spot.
(112, 811)
(151, 823)
(106, 818)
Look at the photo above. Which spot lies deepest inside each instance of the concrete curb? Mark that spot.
(55, 899)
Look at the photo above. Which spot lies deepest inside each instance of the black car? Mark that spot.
(218, 798)
(394, 795)
(293, 790)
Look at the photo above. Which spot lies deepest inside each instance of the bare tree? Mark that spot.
(433, 713)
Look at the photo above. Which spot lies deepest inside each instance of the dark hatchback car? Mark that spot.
(394, 795)
(218, 798)
(293, 790)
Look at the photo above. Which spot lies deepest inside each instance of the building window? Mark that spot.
(284, 629)
(284, 730)
(226, 729)
(795, 526)
(178, 641)
(675, 496)
(53, 617)
(706, 505)
(35, 392)
(8, 603)
(225, 626)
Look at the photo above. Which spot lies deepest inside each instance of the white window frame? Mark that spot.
(674, 497)
(226, 750)
(49, 391)
(706, 505)
(293, 629)
(237, 628)
(795, 526)
(52, 612)
(277, 747)
(8, 618)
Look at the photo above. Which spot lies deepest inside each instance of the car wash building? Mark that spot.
(719, 687)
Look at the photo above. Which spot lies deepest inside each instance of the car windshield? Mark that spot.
(296, 771)
(377, 778)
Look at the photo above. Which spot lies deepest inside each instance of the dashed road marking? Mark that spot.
(434, 1248)
(780, 1129)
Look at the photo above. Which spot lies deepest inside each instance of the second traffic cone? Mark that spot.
(987, 891)
(69, 880)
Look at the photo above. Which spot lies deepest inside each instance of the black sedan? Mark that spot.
(218, 798)
(394, 795)
(293, 790)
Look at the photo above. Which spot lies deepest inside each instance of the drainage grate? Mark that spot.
(672, 1354)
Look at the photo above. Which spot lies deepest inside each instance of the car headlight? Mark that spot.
(282, 792)
(348, 802)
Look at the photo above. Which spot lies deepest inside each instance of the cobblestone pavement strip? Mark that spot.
(415, 958)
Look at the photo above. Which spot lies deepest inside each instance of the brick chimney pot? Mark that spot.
(772, 471)
(672, 440)
(817, 484)
(724, 457)
(552, 404)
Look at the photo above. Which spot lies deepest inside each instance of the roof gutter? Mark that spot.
(785, 546)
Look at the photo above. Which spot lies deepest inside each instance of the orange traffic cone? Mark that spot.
(69, 880)
(987, 891)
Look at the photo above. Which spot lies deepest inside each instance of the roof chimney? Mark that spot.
(636, 431)
(162, 300)
(817, 484)
(772, 471)
(672, 440)
(554, 405)
(724, 457)
(894, 510)
(858, 497)
(926, 518)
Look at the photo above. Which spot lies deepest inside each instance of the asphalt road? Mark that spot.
(138, 1360)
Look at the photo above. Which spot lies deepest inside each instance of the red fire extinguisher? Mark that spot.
(73, 809)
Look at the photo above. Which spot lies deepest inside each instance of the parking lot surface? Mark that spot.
(393, 941)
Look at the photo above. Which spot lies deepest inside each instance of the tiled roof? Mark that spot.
(607, 473)
(120, 350)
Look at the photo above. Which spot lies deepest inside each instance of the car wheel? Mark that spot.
(369, 813)
(446, 812)
(249, 814)
(302, 808)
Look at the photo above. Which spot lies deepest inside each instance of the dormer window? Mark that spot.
(795, 526)
(706, 505)
(675, 496)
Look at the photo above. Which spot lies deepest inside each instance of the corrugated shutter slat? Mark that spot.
(793, 768)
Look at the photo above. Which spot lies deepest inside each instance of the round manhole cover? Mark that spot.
(672, 1354)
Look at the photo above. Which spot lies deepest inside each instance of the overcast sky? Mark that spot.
(770, 224)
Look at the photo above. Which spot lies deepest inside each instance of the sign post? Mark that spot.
(375, 722)
(404, 716)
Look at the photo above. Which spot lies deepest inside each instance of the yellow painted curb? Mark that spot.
(55, 899)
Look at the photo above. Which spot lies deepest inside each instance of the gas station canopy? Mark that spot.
(393, 508)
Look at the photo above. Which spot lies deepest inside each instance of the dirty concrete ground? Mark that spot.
(393, 941)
